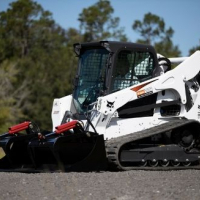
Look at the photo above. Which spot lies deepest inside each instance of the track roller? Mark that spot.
(153, 163)
(164, 163)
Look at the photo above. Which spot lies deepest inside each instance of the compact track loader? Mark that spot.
(129, 110)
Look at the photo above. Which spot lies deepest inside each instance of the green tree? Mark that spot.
(21, 25)
(97, 23)
(167, 48)
(153, 31)
(10, 111)
(39, 50)
(193, 49)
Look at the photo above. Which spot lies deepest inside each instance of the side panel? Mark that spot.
(194, 112)
(120, 127)
(60, 106)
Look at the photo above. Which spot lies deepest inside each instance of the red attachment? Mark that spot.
(65, 127)
(19, 127)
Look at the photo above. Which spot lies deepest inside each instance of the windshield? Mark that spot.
(91, 78)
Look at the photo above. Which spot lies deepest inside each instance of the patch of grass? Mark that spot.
(2, 153)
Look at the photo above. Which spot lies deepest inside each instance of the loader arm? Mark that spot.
(175, 79)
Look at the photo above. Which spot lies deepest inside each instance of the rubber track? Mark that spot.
(113, 145)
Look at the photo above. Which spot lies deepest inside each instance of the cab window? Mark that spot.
(132, 68)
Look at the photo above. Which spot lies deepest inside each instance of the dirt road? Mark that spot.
(140, 185)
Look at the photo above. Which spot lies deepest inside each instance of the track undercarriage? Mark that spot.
(177, 147)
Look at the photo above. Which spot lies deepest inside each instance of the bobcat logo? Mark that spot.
(110, 104)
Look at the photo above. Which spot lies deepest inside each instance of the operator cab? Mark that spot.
(105, 67)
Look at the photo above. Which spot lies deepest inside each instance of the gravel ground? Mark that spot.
(140, 185)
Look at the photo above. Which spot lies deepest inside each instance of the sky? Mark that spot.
(182, 15)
